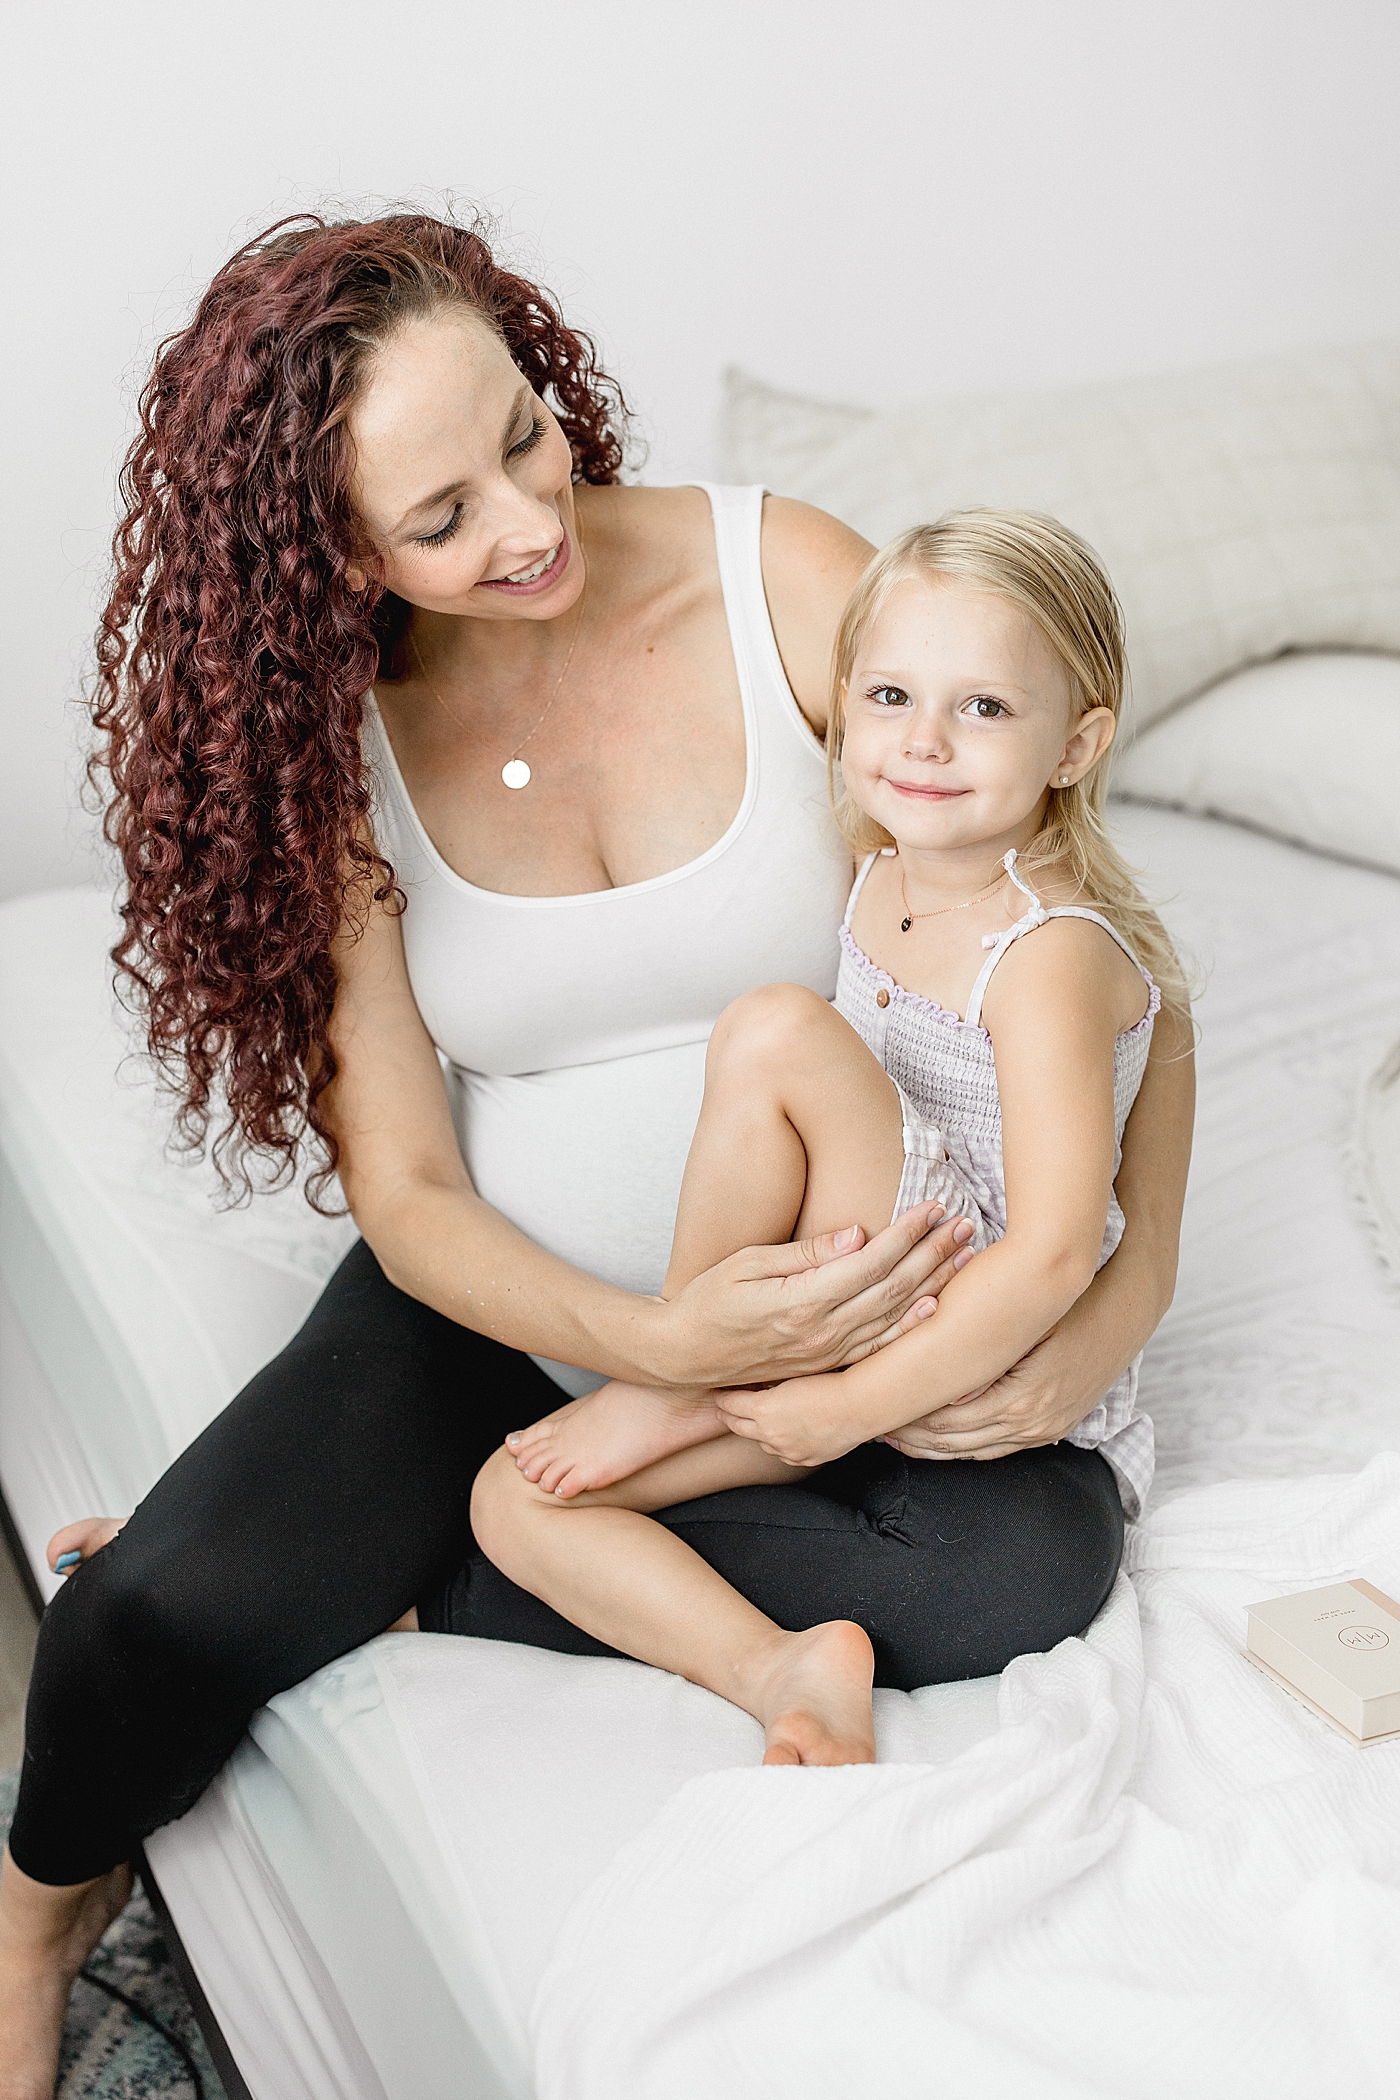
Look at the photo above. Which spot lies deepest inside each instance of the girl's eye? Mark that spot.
(441, 537)
(985, 709)
(530, 439)
(888, 696)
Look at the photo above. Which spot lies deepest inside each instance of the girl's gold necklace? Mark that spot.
(942, 912)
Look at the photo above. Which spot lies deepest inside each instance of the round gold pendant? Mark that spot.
(515, 773)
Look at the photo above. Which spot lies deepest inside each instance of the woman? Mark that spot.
(375, 459)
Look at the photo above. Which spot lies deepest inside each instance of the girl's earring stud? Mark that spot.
(1064, 780)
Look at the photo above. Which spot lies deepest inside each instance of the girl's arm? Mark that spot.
(793, 1309)
(1055, 1385)
(1053, 1010)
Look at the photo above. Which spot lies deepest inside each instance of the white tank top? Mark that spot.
(574, 1028)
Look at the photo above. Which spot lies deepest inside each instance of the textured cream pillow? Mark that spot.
(1307, 747)
(1376, 1157)
(1241, 511)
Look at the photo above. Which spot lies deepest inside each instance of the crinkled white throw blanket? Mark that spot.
(1160, 1877)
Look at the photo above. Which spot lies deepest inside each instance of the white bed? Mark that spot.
(371, 1891)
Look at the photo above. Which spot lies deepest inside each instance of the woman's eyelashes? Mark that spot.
(444, 532)
(521, 446)
(530, 439)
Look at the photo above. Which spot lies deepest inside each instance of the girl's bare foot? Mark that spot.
(46, 1934)
(609, 1435)
(84, 1538)
(814, 1697)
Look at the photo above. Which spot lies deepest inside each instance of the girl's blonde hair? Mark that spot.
(1059, 582)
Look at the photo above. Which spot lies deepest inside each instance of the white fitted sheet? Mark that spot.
(145, 1306)
(371, 1889)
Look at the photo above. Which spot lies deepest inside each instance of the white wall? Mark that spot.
(869, 199)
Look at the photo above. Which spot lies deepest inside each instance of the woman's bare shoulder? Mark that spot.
(811, 564)
(630, 508)
(798, 536)
(654, 540)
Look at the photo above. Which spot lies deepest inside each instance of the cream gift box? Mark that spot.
(1337, 1649)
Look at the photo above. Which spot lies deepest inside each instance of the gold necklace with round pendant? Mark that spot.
(515, 773)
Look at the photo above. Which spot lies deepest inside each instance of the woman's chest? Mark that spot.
(637, 764)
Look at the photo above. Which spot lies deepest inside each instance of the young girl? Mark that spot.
(978, 679)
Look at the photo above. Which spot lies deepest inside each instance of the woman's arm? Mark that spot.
(1056, 1384)
(811, 564)
(770, 1312)
(1054, 1011)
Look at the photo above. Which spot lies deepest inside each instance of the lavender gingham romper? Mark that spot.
(946, 1076)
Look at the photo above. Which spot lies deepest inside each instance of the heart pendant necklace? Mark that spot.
(943, 910)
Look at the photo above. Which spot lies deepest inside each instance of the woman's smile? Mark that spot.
(541, 576)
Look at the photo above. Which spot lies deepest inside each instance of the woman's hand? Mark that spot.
(770, 1313)
(1036, 1402)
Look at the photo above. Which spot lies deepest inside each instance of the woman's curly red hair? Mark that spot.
(234, 656)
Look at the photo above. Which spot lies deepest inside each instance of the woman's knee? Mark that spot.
(136, 1606)
(1006, 1558)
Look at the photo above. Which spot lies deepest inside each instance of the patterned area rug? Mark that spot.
(109, 2052)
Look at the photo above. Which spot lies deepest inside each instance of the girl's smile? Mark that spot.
(959, 718)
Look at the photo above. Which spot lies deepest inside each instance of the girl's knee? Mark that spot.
(489, 1493)
(764, 1027)
(503, 1505)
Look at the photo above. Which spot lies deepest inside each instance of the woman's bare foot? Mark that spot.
(46, 1934)
(814, 1697)
(611, 1434)
(84, 1538)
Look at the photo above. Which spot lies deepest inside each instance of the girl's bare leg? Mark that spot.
(601, 1562)
(800, 1132)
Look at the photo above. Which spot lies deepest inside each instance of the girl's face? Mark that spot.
(959, 719)
(463, 476)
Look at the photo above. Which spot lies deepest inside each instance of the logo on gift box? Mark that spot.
(1362, 1637)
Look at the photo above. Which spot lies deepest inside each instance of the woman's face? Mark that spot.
(463, 476)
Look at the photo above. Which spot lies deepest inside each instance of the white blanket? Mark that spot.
(1160, 1877)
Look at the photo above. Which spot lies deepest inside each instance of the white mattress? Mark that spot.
(136, 1309)
(371, 1890)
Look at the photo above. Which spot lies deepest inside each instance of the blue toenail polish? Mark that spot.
(66, 1560)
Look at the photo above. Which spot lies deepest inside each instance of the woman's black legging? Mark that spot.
(334, 1492)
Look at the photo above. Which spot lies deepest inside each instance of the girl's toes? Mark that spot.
(573, 1482)
(552, 1474)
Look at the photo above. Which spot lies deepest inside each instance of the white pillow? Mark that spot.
(1241, 511)
(1375, 1158)
(1307, 747)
